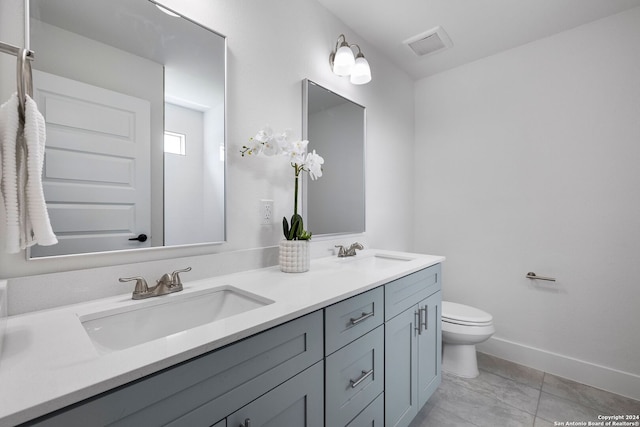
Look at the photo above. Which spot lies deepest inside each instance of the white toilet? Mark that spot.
(462, 328)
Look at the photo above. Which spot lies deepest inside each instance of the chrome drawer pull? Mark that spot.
(246, 423)
(365, 375)
(418, 321)
(362, 318)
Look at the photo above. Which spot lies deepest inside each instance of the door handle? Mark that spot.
(140, 238)
(425, 322)
(418, 320)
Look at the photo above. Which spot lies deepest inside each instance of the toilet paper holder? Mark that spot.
(532, 275)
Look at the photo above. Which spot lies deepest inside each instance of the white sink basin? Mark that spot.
(118, 328)
(374, 261)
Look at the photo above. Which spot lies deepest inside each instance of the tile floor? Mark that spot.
(508, 394)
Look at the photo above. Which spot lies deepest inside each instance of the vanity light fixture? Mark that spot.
(344, 63)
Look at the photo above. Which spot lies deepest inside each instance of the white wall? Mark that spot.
(213, 177)
(184, 215)
(529, 161)
(272, 46)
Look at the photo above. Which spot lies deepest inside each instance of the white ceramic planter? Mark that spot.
(295, 256)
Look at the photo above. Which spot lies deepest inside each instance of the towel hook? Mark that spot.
(25, 80)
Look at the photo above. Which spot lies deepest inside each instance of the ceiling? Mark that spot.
(477, 28)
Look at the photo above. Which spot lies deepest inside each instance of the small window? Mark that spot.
(174, 143)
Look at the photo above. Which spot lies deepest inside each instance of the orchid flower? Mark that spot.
(313, 163)
(268, 143)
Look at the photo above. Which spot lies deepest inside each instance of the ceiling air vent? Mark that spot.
(429, 42)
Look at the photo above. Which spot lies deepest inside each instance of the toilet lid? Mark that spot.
(463, 314)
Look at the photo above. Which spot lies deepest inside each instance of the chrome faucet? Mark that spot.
(167, 284)
(351, 251)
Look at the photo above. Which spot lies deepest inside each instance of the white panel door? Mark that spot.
(96, 175)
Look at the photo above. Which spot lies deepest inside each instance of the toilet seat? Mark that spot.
(460, 314)
(462, 323)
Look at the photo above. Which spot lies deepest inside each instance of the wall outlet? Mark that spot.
(266, 212)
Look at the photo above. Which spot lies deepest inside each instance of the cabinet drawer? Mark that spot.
(354, 376)
(402, 293)
(206, 389)
(372, 416)
(352, 318)
(297, 403)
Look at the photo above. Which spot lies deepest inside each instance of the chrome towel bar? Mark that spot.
(532, 275)
(15, 50)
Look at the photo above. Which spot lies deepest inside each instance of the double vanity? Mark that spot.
(353, 341)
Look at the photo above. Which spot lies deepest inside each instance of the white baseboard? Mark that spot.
(602, 377)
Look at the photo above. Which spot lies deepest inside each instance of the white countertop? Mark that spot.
(49, 362)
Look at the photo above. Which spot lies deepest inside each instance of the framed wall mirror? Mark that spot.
(335, 128)
(133, 97)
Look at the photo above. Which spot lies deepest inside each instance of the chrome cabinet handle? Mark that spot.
(418, 320)
(246, 423)
(365, 316)
(425, 322)
(364, 376)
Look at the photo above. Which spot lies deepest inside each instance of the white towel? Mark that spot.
(22, 152)
(38, 225)
(9, 124)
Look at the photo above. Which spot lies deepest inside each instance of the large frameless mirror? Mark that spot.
(335, 128)
(133, 97)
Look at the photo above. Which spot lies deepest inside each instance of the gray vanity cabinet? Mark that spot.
(207, 389)
(412, 344)
(379, 364)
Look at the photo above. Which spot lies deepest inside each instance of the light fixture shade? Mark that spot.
(361, 72)
(344, 61)
(167, 11)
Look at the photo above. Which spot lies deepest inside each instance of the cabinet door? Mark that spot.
(297, 402)
(401, 368)
(429, 348)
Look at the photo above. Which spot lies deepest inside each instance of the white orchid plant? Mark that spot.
(268, 143)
